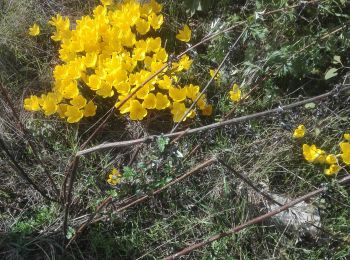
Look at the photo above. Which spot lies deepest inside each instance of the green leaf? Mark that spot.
(70, 232)
(332, 72)
(336, 60)
(162, 143)
(129, 173)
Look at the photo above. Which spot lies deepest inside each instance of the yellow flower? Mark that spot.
(156, 21)
(162, 101)
(165, 83)
(70, 90)
(61, 110)
(201, 103)
(299, 132)
(73, 114)
(90, 109)
(142, 92)
(60, 72)
(192, 91)
(78, 101)
(333, 169)
(313, 154)
(105, 90)
(142, 26)
(32, 103)
(106, 2)
(94, 82)
(125, 108)
(153, 44)
(137, 112)
(34, 30)
(184, 63)
(155, 6)
(177, 94)
(212, 72)
(114, 177)
(331, 159)
(235, 93)
(90, 59)
(49, 104)
(149, 101)
(123, 88)
(161, 55)
(207, 111)
(345, 148)
(347, 137)
(184, 34)
(178, 110)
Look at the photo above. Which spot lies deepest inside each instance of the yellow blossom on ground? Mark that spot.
(212, 72)
(345, 155)
(90, 109)
(207, 111)
(149, 101)
(78, 101)
(94, 82)
(184, 63)
(114, 177)
(106, 2)
(177, 94)
(235, 93)
(347, 137)
(34, 30)
(331, 159)
(192, 91)
(156, 21)
(202, 103)
(156, 7)
(333, 169)
(32, 103)
(184, 34)
(313, 154)
(70, 89)
(142, 26)
(49, 105)
(137, 112)
(178, 110)
(61, 110)
(165, 83)
(299, 132)
(73, 114)
(162, 101)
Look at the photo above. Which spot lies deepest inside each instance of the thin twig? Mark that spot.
(212, 126)
(253, 221)
(21, 172)
(249, 183)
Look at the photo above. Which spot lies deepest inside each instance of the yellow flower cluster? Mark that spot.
(316, 155)
(109, 55)
(114, 177)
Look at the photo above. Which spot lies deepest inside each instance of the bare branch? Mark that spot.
(211, 126)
